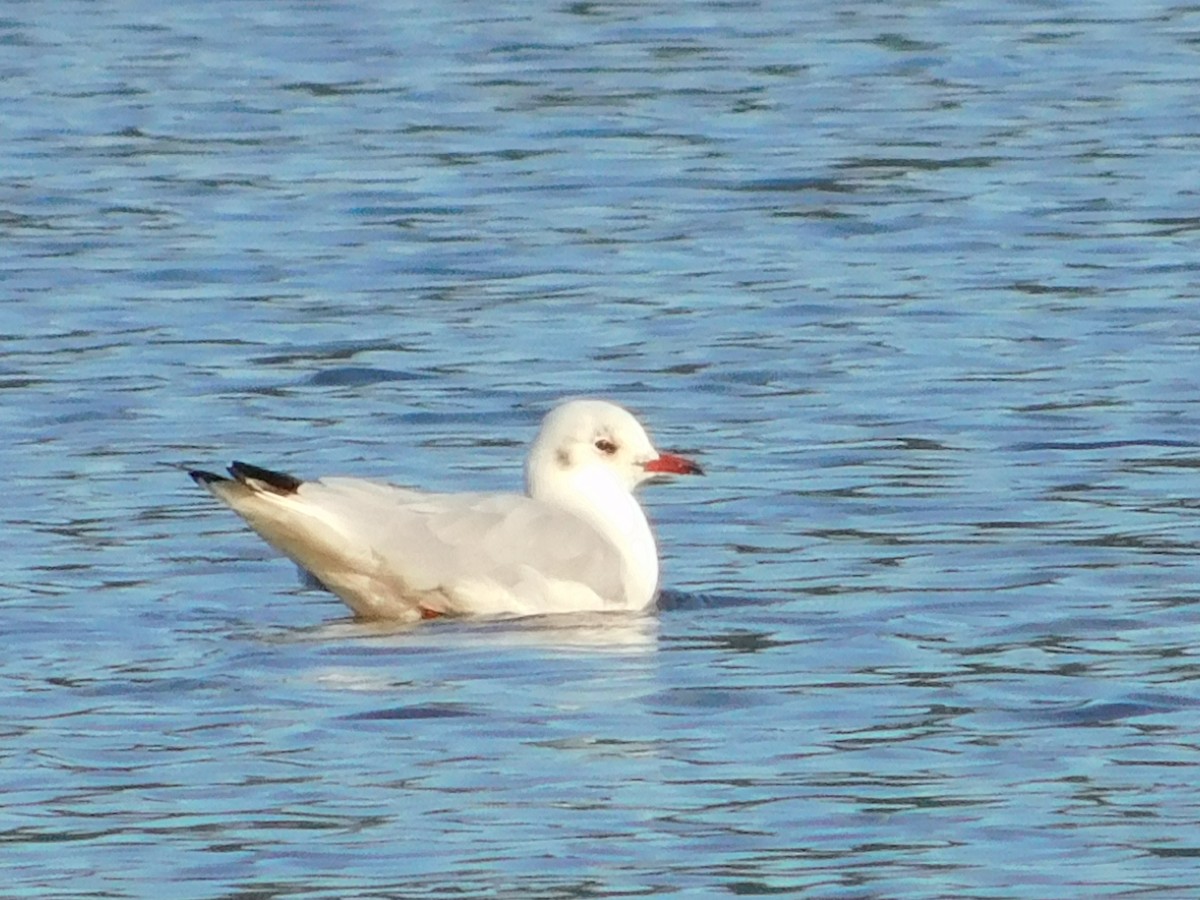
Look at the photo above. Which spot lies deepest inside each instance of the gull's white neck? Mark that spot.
(596, 495)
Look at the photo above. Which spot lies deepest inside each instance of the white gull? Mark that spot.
(578, 541)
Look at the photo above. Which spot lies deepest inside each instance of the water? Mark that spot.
(916, 283)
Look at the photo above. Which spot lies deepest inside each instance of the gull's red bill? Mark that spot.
(670, 464)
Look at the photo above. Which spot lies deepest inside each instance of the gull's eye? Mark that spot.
(605, 446)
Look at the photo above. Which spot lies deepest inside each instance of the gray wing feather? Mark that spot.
(434, 541)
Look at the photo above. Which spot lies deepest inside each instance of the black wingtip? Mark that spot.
(280, 482)
(203, 478)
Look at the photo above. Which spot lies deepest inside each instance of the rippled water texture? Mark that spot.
(916, 282)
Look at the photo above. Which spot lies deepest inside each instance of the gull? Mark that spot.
(576, 541)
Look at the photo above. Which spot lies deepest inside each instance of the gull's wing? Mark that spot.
(393, 552)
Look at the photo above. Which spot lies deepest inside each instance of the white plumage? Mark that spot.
(578, 541)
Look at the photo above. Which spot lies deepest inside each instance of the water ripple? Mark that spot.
(917, 283)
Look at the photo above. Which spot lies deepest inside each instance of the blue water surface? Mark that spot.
(916, 282)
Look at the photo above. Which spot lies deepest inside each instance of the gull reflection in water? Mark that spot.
(584, 632)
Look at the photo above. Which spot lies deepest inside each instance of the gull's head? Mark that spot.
(594, 442)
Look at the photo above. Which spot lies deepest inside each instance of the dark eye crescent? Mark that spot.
(604, 445)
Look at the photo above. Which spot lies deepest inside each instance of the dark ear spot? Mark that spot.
(563, 457)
